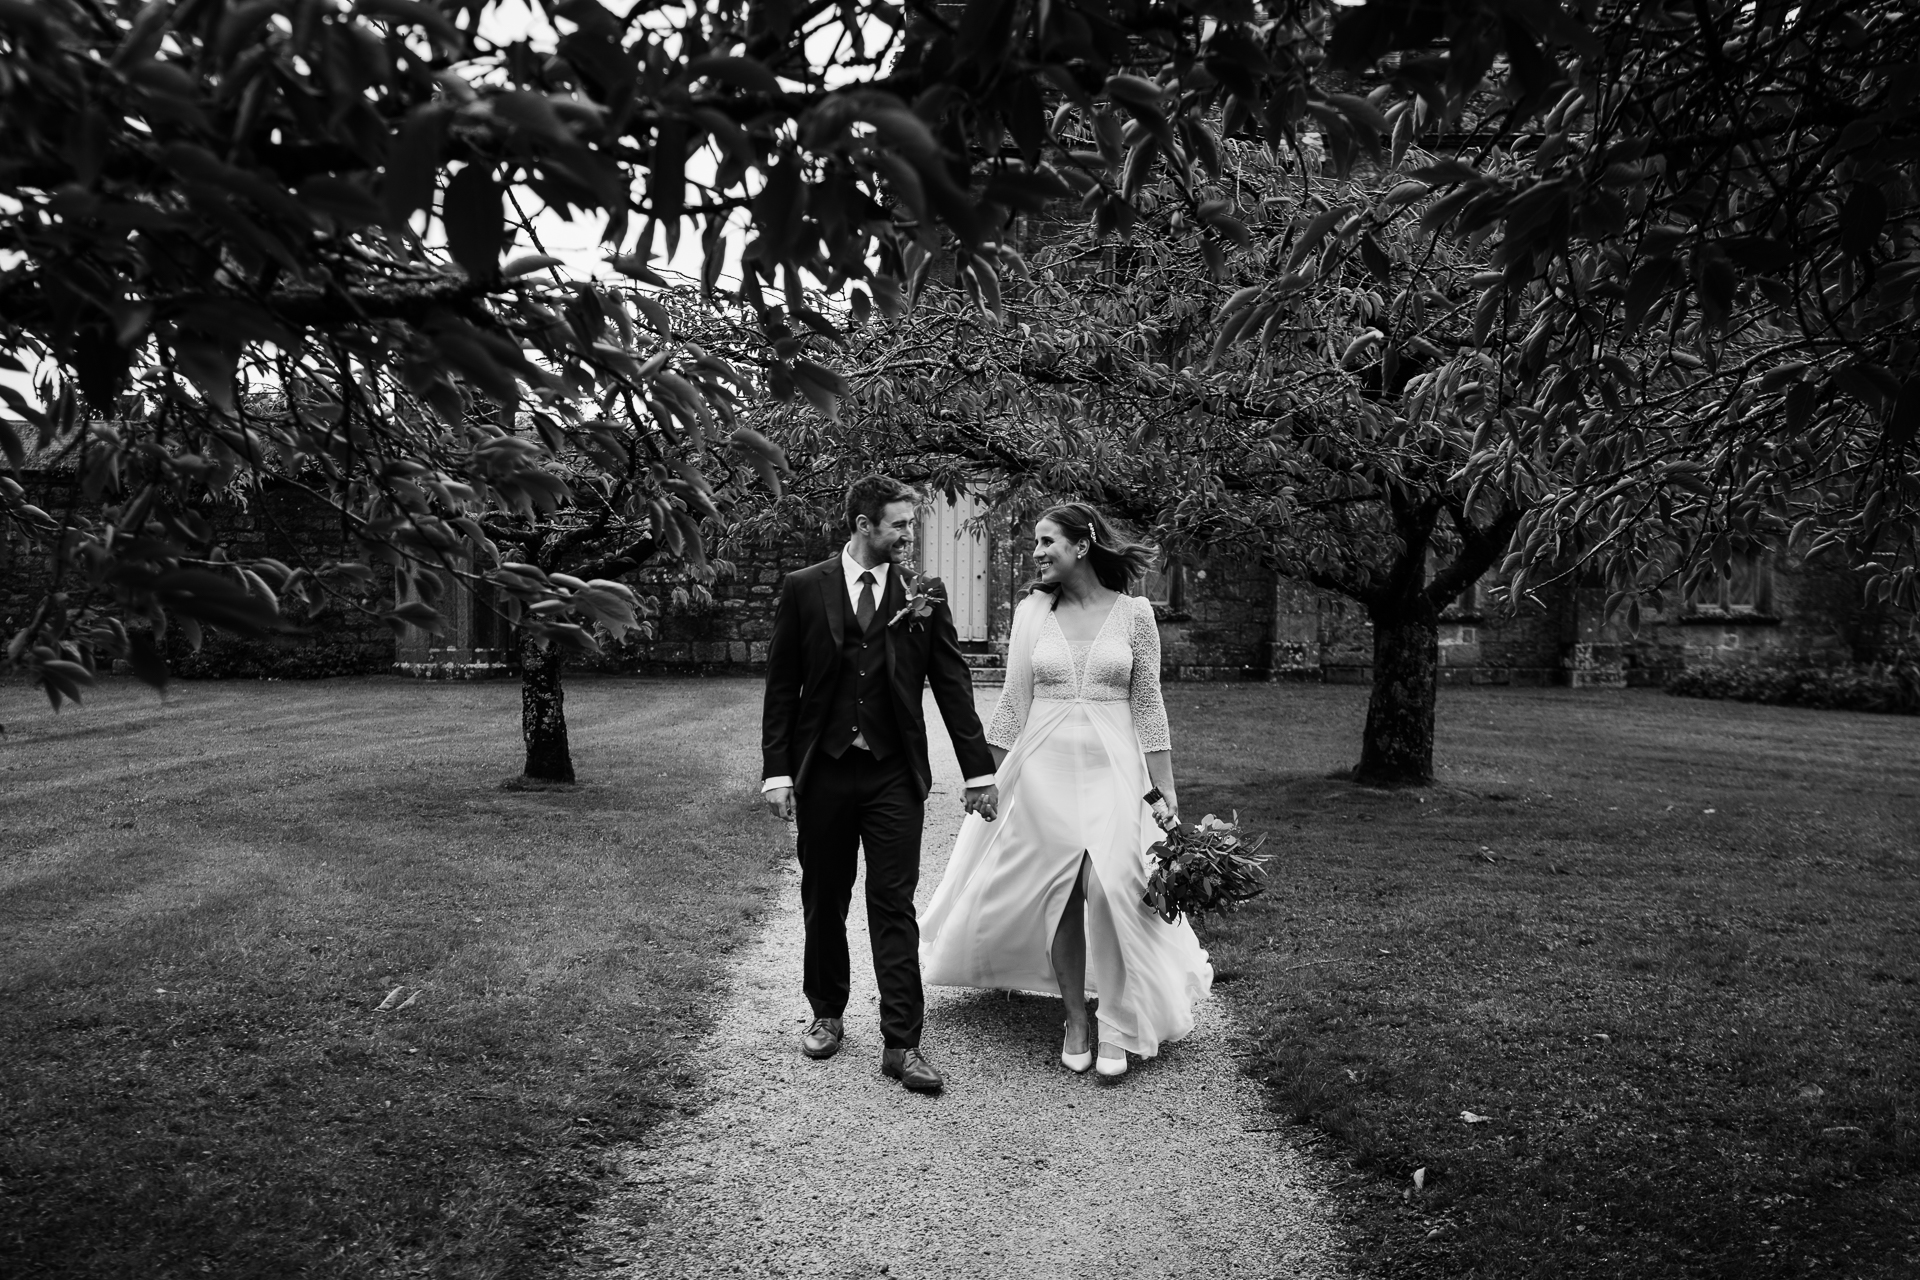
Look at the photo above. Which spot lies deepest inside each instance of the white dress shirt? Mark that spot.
(853, 569)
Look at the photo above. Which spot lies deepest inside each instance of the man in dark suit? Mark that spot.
(844, 742)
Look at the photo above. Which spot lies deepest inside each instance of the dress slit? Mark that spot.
(1083, 877)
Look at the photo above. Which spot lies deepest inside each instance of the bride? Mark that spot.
(1048, 898)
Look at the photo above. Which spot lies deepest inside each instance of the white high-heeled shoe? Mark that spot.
(1078, 1062)
(1111, 1068)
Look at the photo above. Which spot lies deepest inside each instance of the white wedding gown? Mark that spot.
(1076, 721)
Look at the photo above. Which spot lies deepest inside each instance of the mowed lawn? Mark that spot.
(203, 901)
(1669, 949)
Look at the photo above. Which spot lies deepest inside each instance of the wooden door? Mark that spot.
(957, 555)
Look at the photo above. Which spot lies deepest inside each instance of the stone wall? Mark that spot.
(732, 632)
(278, 522)
(1486, 642)
(24, 572)
(1231, 620)
(1320, 635)
(1223, 629)
(285, 524)
(1802, 614)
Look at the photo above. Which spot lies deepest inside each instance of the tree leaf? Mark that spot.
(413, 163)
(1026, 190)
(416, 13)
(1904, 420)
(11, 446)
(1861, 219)
(341, 199)
(475, 219)
(1366, 117)
(667, 178)
(528, 263)
(1376, 259)
(210, 366)
(415, 613)
(1648, 283)
(742, 73)
(216, 600)
(1316, 229)
(656, 315)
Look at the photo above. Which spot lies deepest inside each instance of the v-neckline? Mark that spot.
(1098, 632)
(1080, 652)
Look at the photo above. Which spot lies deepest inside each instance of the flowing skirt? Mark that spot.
(1070, 794)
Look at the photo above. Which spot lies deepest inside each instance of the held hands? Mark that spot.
(984, 801)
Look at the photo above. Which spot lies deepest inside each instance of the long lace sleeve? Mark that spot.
(1149, 710)
(1016, 696)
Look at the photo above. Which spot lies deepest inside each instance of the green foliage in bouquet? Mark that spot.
(1202, 867)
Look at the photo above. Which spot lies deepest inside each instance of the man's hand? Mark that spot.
(780, 803)
(984, 801)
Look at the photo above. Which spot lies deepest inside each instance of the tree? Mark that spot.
(621, 511)
(1109, 379)
(202, 192)
(1416, 372)
(206, 199)
(1705, 223)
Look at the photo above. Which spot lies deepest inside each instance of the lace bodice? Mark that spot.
(1120, 664)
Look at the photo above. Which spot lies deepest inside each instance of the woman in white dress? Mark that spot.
(1048, 898)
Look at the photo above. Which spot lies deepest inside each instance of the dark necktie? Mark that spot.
(863, 610)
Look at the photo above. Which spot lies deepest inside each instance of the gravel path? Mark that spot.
(800, 1168)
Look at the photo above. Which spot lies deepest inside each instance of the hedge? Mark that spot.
(1893, 689)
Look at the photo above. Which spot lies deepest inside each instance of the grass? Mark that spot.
(203, 901)
(1670, 948)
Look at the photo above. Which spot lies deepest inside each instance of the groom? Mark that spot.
(845, 746)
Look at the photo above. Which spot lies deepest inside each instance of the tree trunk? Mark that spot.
(1398, 748)
(543, 712)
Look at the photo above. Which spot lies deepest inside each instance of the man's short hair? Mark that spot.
(869, 495)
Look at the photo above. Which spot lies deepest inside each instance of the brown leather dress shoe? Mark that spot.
(912, 1070)
(823, 1038)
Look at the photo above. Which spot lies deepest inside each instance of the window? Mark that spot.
(1166, 587)
(1746, 591)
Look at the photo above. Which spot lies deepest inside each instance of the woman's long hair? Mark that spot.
(1118, 561)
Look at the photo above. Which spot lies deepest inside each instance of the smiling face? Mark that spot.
(890, 541)
(1054, 554)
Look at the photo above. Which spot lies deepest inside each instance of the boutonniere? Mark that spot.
(922, 595)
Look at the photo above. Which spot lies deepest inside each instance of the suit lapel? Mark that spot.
(833, 599)
(891, 602)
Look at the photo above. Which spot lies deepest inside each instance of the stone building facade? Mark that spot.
(1220, 619)
(278, 521)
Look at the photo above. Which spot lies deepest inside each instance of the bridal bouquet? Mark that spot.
(1201, 867)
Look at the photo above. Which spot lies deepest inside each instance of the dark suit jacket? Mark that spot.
(803, 664)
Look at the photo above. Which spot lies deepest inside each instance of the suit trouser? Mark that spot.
(842, 805)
